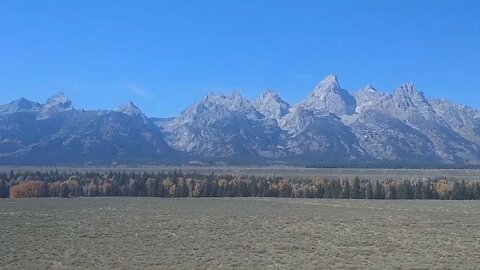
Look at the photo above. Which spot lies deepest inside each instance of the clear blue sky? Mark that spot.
(165, 55)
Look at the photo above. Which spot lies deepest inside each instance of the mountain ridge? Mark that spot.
(330, 126)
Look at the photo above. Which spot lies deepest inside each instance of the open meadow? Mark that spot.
(238, 233)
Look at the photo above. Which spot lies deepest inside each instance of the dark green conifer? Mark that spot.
(4, 190)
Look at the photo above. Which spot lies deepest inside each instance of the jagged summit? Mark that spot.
(407, 88)
(368, 88)
(366, 98)
(268, 93)
(328, 84)
(328, 97)
(408, 93)
(233, 96)
(331, 126)
(367, 91)
(215, 106)
(23, 104)
(271, 105)
(20, 105)
(59, 102)
(130, 109)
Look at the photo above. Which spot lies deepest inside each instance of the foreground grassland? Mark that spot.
(240, 233)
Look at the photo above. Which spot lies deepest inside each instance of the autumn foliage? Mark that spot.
(177, 184)
(28, 189)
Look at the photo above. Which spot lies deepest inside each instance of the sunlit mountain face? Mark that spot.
(330, 127)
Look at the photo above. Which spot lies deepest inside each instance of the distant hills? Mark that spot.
(330, 127)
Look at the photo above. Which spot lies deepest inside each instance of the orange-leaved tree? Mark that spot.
(28, 189)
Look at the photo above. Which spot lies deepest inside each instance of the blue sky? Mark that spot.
(165, 55)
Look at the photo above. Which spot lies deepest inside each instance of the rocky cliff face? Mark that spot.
(328, 97)
(330, 127)
(271, 105)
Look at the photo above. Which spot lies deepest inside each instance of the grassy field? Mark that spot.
(253, 233)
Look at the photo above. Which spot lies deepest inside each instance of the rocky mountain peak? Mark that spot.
(328, 84)
(408, 87)
(368, 88)
(268, 94)
(271, 105)
(235, 95)
(407, 92)
(23, 104)
(366, 98)
(233, 101)
(58, 102)
(20, 105)
(130, 109)
(330, 125)
(328, 97)
(213, 107)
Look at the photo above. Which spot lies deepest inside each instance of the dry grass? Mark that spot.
(152, 233)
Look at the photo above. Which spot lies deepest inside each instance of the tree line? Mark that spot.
(178, 184)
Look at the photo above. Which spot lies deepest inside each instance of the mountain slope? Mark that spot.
(59, 134)
(330, 127)
(328, 97)
(222, 127)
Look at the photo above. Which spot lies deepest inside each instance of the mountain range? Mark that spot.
(330, 127)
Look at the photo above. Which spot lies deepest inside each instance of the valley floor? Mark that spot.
(240, 233)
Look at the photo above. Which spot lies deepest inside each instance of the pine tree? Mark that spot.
(346, 190)
(458, 191)
(355, 193)
(427, 190)
(409, 192)
(214, 191)
(369, 191)
(476, 191)
(161, 190)
(378, 192)
(418, 191)
(327, 194)
(401, 190)
(207, 191)
(4, 190)
(392, 192)
(335, 189)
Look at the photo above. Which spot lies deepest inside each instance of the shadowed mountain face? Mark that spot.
(62, 135)
(330, 127)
